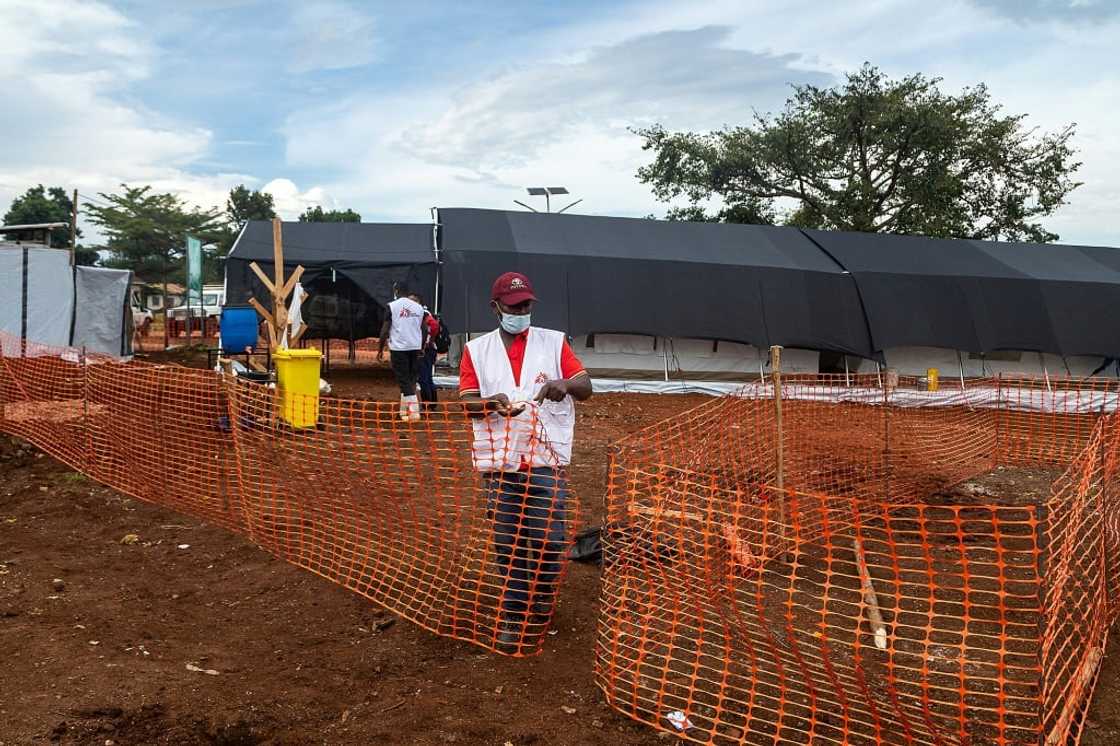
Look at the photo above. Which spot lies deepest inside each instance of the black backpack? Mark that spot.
(442, 340)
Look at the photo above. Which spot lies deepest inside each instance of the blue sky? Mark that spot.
(390, 108)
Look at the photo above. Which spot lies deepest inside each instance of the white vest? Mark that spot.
(542, 434)
(405, 334)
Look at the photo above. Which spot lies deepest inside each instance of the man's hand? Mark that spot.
(499, 404)
(553, 391)
(380, 355)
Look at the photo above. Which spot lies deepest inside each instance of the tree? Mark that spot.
(875, 154)
(41, 205)
(146, 232)
(246, 204)
(243, 205)
(318, 215)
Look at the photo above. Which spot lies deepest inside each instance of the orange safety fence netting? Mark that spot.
(867, 600)
(459, 524)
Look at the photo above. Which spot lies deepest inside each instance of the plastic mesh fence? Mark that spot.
(864, 602)
(397, 511)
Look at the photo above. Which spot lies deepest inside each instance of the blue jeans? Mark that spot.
(529, 534)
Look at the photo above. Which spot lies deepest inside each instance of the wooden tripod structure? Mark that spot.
(280, 289)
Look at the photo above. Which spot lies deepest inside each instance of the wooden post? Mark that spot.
(874, 616)
(779, 445)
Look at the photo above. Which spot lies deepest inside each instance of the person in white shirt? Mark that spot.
(403, 329)
(519, 383)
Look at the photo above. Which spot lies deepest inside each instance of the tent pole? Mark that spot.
(435, 249)
(847, 378)
(960, 362)
(1045, 373)
(665, 358)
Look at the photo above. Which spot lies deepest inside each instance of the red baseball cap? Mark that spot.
(512, 289)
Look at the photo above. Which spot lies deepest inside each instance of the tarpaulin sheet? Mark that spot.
(350, 270)
(758, 285)
(102, 320)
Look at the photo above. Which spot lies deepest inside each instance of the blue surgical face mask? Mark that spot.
(515, 323)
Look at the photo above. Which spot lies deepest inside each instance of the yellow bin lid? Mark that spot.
(297, 353)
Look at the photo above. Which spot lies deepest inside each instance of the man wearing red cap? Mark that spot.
(519, 382)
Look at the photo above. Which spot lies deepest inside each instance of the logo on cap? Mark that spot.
(516, 284)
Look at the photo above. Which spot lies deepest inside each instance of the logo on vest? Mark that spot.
(541, 378)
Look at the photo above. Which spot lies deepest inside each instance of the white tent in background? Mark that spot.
(45, 300)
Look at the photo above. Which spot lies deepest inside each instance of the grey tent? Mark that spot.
(757, 285)
(350, 270)
(983, 296)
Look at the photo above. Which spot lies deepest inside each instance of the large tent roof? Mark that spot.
(338, 244)
(759, 285)
(350, 269)
(373, 256)
(983, 296)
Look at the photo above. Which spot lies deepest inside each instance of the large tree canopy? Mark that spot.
(146, 232)
(41, 205)
(873, 154)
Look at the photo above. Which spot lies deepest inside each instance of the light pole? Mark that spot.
(547, 193)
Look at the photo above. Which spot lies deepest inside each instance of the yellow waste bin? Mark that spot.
(931, 379)
(297, 382)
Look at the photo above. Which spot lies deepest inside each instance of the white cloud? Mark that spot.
(563, 118)
(290, 201)
(330, 36)
(559, 122)
(68, 119)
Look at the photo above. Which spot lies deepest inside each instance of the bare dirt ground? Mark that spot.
(126, 623)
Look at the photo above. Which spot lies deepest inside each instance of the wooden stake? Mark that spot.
(874, 616)
(1085, 673)
(268, 319)
(262, 277)
(291, 283)
(666, 513)
(277, 255)
(779, 445)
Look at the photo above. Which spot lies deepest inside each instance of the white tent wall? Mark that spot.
(654, 358)
(650, 357)
(11, 288)
(915, 361)
(51, 285)
(50, 296)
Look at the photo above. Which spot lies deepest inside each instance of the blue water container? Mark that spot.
(239, 327)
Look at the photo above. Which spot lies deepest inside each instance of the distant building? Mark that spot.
(30, 233)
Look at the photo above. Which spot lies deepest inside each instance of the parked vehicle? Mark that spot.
(213, 298)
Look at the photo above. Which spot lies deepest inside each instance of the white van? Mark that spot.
(213, 298)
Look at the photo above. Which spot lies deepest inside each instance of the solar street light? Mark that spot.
(547, 193)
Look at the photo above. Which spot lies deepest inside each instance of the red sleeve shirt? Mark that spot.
(570, 366)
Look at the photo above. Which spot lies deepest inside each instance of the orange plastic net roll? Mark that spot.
(867, 599)
(461, 525)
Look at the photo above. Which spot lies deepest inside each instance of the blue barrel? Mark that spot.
(239, 327)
